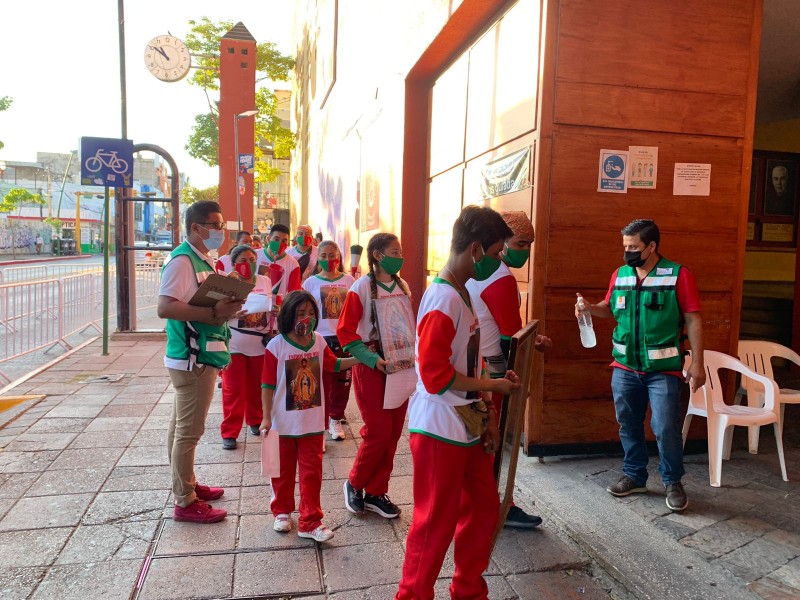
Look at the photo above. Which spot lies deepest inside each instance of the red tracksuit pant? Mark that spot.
(306, 452)
(455, 494)
(382, 428)
(337, 387)
(241, 394)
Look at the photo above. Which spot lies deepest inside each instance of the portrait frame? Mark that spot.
(512, 419)
(772, 219)
(394, 318)
(780, 176)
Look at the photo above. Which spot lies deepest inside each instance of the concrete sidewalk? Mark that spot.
(85, 506)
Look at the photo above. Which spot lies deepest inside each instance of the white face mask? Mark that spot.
(215, 238)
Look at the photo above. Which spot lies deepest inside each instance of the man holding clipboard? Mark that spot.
(197, 347)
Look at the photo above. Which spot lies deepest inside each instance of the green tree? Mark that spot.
(190, 194)
(14, 199)
(5, 102)
(271, 136)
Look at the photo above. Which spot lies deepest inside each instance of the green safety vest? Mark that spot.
(649, 321)
(209, 343)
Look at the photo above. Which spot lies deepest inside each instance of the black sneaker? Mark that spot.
(353, 499)
(676, 497)
(229, 443)
(519, 519)
(625, 487)
(255, 429)
(381, 505)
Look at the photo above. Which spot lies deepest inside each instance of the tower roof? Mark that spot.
(239, 32)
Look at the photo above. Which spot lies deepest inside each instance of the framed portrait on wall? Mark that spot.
(773, 203)
(780, 184)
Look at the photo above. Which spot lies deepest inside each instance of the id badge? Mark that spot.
(620, 302)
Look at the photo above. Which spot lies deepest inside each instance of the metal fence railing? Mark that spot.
(40, 272)
(36, 315)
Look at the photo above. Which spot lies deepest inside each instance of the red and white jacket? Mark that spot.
(496, 301)
(290, 281)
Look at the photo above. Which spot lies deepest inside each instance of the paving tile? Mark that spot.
(14, 485)
(255, 499)
(142, 456)
(60, 425)
(112, 580)
(221, 475)
(788, 574)
(377, 592)
(130, 398)
(367, 564)
(18, 583)
(87, 411)
(83, 399)
(676, 530)
(46, 511)
(281, 572)
(73, 481)
(558, 585)
(102, 439)
(255, 531)
(86, 457)
(115, 423)
(188, 538)
(156, 422)
(26, 462)
(110, 507)
(767, 589)
(126, 410)
(150, 437)
(180, 578)
(31, 442)
(5, 505)
(353, 529)
(540, 549)
(721, 538)
(118, 541)
(756, 559)
(124, 479)
(213, 453)
(36, 548)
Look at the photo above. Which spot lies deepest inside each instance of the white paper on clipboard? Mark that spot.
(270, 454)
(399, 386)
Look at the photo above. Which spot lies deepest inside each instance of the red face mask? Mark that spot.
(243, 269)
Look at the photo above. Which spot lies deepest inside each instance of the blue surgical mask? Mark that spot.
(215, 238)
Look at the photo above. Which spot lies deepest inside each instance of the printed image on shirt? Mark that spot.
(472, 361)
(255, 321)
(302, 376)
(332, 301)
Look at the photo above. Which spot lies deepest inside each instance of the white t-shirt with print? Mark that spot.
(312, 261)
(256, 321)
(329, 295)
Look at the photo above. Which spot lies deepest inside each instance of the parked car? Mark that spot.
(144, 256)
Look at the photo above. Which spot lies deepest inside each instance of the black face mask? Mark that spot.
(634, 258)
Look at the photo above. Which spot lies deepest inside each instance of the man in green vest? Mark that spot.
(652, 299)
(197, 347)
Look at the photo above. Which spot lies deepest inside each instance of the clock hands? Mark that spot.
(160, 50)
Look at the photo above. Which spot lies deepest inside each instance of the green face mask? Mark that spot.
(516, 259)
(391, 264)
(276, 247)
(485, 267)
(253, 268)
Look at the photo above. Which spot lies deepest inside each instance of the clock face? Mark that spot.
(167, 58)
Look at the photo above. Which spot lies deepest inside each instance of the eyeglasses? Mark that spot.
(214, 225)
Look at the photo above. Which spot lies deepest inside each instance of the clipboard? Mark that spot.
(216, 287)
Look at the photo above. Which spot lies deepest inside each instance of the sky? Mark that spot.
(61, 67)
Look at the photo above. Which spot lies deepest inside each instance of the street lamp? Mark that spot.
(247, 113)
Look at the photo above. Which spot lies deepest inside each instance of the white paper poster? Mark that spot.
(612, 173)
(691, 179)
(643, 170)
(399, 386)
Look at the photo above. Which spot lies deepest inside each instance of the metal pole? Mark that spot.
(122, 85)
(107, 238)
(236, 160)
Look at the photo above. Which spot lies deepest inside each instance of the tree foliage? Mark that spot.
(190, 195)
(271, 136)
(5, 102)
(16, 197)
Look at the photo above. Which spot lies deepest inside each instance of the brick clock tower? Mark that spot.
(237, 87)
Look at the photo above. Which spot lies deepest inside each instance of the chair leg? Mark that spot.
(686, 423)
(753, 433)
(727, 442)
(779, 441)
(715, 451)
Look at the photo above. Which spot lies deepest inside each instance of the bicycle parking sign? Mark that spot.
(106, 161)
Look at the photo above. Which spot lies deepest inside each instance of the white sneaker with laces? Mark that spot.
(335, 429)
(282, 524)
(320, 534)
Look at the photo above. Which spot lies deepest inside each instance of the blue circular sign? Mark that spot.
(614, 166)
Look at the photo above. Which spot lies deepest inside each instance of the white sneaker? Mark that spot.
(282, 524)
(320, 534)
(335, 429)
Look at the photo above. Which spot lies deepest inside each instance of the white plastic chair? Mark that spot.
(721, 417)
(758, 355)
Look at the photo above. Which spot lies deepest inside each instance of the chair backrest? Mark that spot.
(758, 355)
(715, 361)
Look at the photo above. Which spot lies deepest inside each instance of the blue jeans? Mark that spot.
(632, 392)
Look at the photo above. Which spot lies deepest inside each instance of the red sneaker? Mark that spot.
(198, 512)
(207, 493)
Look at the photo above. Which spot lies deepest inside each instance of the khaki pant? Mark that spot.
(193, 393)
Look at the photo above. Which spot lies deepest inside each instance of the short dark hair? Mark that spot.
(646, 229)
(280, 228)
(478, 224)
(199, 212)
(241, 234)
(288, 312)
(237, 250)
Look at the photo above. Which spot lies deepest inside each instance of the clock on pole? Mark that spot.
(167, 58)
